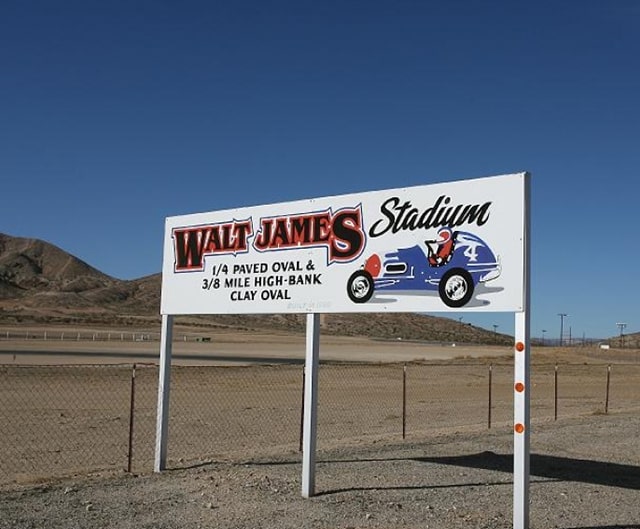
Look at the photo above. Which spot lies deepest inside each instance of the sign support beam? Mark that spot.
(312, 361)
(164, 384)
(522, 383)
(522, 424)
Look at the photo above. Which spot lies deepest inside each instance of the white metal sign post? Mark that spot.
(521, 428)
(310, 406)
(459, 246)
(522, 382)
(162, 422)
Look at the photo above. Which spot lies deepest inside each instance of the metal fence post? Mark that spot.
(490, 396)
(131, 414)
(555, 393)
(606, 398)
(404, 401)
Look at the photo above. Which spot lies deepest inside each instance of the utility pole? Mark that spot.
(543, 331)
(495, 335)
(562, 317)
(621, 326)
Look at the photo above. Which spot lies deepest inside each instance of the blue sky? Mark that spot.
(115, 115)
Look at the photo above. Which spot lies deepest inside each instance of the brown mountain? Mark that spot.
(28, 265)
(41, 283)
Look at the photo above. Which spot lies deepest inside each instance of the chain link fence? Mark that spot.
(62, 419)
(57, 421)
(233, 412)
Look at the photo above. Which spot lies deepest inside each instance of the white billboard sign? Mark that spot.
(434, 248)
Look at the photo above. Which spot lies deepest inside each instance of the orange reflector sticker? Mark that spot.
(519, 428)
(519, 387)
(519, 347)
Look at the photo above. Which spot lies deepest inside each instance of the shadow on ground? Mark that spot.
(551, 467)
(632, 526)
(542, 466)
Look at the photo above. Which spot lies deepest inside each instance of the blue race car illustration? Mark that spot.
(453, 265)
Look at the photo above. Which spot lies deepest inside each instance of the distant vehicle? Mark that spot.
(453, 264)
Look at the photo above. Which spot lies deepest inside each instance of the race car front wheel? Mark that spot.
(456, 287)
(360, 286)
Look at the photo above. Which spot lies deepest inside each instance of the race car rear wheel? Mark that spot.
(360, 286)
(456, 287)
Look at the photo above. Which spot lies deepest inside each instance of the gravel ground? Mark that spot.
(585, 474)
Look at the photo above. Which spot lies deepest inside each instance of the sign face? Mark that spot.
(435, 248)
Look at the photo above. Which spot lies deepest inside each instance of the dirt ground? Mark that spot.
(223, 348)
(58, 345)
(234, 436)
(581, 477)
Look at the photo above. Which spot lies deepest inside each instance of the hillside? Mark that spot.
(41, 283)
(29, 265)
